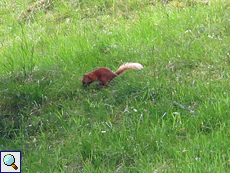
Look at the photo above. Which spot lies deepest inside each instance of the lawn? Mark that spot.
(172, 116)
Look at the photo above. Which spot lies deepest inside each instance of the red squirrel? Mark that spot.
(105, 75)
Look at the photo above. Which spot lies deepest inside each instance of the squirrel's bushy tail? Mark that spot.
(128, 66)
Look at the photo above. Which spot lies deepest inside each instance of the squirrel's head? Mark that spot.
(86, 80)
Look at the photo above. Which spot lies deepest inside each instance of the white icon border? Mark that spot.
(8, 169)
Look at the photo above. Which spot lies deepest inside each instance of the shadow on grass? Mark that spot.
(23, 96)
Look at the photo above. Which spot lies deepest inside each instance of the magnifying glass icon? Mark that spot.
(9, 160)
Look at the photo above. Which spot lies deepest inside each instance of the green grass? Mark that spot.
(172, 116)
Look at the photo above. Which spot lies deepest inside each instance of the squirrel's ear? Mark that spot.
(86, 76)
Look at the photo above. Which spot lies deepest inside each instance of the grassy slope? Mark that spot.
(173, 116)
